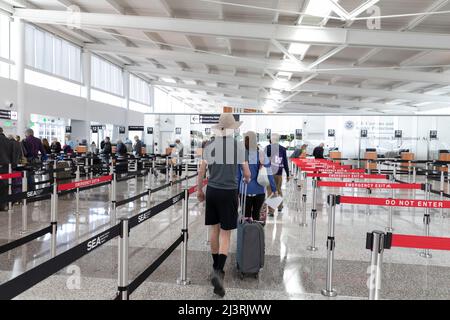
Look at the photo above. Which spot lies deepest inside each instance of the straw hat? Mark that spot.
(227, 122)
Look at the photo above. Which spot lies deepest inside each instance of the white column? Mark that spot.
(87, 90)
(19, 28)
(126, 95)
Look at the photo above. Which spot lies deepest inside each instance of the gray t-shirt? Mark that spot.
(224, 155)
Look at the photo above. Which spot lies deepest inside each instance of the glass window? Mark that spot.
(139, 90)
(161, 101)
(4, 36)
(45, 51)
(106, 76)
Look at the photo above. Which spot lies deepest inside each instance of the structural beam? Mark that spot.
(255, 31)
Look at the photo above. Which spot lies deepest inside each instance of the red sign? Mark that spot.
(84, 183)
(370, 185)
(347, 175)
(14, 175)
(386, 202)
(420, 242)
(337, 170)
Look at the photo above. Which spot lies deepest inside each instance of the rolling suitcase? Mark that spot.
(250, 242)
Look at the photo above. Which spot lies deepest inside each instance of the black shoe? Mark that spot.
(217, 282)
(280, 209)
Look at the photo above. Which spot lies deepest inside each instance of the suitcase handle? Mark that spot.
(243, 199)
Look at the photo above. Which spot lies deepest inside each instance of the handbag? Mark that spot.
(263, 177)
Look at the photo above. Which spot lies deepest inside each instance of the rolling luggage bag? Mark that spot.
(250, 242)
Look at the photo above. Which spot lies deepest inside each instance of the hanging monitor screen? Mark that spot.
(364, 133)
(121, 130)
(135, 128)
(398, 133)
(68, 129)
(433, 134)
(149, 130)
(299, 134)
(331, 132)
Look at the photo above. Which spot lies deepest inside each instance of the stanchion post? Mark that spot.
(24, 203)
(113, 198)
(303, 223)
(9, 187)
(123, 260)
(54, 214)
(390, 228)
(329, 291)
(149, 197)
(427, 220)
(441, 195)
(53, 217)
(183, 280)
(377, 249)
(414, 174)
(167, 169)
(409, 171)
(186, 169)
(313, 247)
(77, 195)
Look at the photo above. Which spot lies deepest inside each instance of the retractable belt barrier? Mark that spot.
(28, 279)
(348, 176)
(389, 202)
(84, 183)
(378, 241)
(13, 175)
(370, 185)
(19, 242)
(193, 189)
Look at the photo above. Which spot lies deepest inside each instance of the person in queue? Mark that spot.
(55, 147)
(222, 158)
(256, 193)
(121, 148)
(33, 146)
(137, 147)
(318, 151)
(279, 163)
(107, 147)
(93, 148)
(6, 154)
(46, 146)
(177, 154)
(17, 151)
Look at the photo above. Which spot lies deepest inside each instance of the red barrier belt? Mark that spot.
(420, 242)
(370, 185)
(84, 183)
(347, 175)
(193, 189)
(336, 171)
(14, 175)
(386, 202)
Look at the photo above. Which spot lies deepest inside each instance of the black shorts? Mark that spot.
(221, 208)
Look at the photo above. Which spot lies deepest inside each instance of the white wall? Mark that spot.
(52, 103)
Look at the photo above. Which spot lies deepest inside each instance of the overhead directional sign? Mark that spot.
(208, 118)
(8, 114)
(149, 130)
(398, 133)
(331, 132)
(299, 134)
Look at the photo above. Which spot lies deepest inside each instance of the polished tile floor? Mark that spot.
(290, 272)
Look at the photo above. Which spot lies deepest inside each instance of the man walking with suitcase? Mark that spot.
(222, 158)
